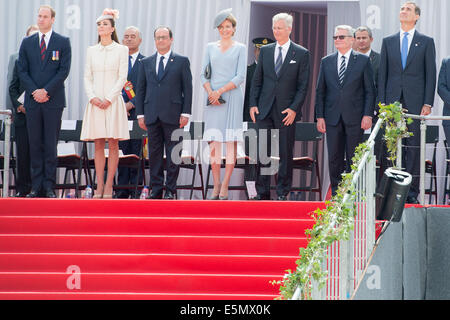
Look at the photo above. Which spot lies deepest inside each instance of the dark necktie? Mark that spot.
(279, 61)
(43, 47)
(161, 68)
(130, 66)
(342, 71)
(404, 49)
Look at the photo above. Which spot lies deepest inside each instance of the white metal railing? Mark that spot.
(7, 122)
(423, 134)
(346, 260)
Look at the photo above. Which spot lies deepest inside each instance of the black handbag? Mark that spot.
(208, 71)
(208, 76)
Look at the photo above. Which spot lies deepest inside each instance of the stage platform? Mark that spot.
(148, 249)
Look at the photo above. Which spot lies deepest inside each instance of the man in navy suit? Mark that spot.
(444, 92)
(44, 64)
(408, 74)
(345, 96)
(163, 104)
(132, 39)
(14, 102)
(277, 93)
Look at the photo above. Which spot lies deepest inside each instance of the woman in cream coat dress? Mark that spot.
(105, 117)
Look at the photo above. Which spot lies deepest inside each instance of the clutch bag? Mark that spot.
(220, 100)
(208, 71)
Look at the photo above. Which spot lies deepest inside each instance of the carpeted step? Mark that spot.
(153, 225)
(141, 282)
(147, 263)
(23, 243)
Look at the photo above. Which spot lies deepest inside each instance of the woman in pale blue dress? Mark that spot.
(223, 121)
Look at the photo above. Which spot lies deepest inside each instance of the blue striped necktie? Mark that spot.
(279, 61)
(342, 69)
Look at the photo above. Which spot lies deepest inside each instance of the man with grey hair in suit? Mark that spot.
(345, 95)
(277, 94)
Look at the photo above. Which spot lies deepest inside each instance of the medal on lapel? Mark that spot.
(129, 90)
(55, 55)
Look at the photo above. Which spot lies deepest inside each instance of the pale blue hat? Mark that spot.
(221, 16)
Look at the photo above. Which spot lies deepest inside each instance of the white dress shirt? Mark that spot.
(48, 35)
(339, 60)
(166, 59)
(410, 37)
(133, 58)
(284, 50)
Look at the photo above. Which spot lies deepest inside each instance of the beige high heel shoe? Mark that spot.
(215, 196)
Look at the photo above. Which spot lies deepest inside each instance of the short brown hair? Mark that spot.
(416, 7)
(46, 6)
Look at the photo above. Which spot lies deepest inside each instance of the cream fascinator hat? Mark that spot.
(109, 14)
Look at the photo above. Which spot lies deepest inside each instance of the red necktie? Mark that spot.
(43, 47)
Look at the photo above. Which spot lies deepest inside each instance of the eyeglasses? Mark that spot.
(341, 37)
(161, 38)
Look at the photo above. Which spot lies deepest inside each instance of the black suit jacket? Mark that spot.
(48, 74)
(354, 99)
(133, 78)
(248, 83)
(375, 61)
(289, 89)
(15, 91)
(168, 98)
(444, 88)
(417, 82)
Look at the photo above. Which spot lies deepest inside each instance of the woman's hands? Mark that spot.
(102, 104)
(213, 97)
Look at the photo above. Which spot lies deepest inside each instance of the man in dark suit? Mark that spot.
(363, 44)
(163, 104)
(15, 91)
(277, 94)
(132, 39)
(443, 90)
(44, 64)
(408, 74)
(258, 43)
(345, 96)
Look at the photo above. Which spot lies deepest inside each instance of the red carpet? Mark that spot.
(132, 249)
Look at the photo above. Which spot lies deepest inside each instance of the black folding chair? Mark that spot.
(432, 137)
(134, 161)
(307, 132)
(73, 163)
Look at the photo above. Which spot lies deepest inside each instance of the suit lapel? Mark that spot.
(289, 57)
(168, 65)
(152, 62)
(334, 66)
(397, 49)
(415, 45)
(271, 53)
(48, 53)
(350, 64)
